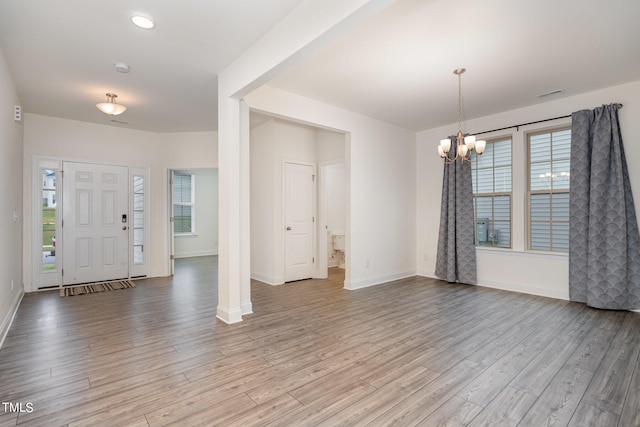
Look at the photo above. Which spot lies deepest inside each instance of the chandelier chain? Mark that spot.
(464, 145)
(459, 101)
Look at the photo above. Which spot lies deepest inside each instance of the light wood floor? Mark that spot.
(411, 352)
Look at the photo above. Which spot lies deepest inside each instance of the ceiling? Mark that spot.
(396, 67)
(61, 55)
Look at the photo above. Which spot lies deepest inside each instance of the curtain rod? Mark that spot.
(526, 124)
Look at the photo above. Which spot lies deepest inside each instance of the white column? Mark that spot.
(245, 221)
(229, 278)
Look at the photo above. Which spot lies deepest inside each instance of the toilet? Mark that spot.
(338, 246)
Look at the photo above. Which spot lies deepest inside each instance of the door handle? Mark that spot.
(124, 227)
(288, 228)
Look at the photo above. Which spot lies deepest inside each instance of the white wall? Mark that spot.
(11, 206)
(516, 269)
(262, 191)
(380, 170)
(331, 146)
(205, 239)
(87, 142)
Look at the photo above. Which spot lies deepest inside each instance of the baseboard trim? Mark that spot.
(229, 316)
(195, 254)
(246, 308)
(514, 287)
(8, 320)
(526, 289)
(264, 279)
(352, 285)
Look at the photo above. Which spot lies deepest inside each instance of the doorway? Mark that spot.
(90, 227)
(333, 214)
(273, 143)
(193, 213)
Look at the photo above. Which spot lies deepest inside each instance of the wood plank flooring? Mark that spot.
(414, 352)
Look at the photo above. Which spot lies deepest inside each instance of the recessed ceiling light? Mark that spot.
(142, 22)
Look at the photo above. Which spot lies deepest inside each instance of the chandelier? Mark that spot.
(110, 107)
(465, 144)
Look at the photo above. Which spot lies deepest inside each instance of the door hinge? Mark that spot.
(313, 178)
(313, 260)
(62, 272)
(171, 219)
(313, 219)
(172, 257)
(62, 223)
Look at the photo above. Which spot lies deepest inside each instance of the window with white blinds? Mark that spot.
(491, 177)
(548, 192)
(183, 189)
(138, 218)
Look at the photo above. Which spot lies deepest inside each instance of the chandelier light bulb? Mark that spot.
(470, 141)
(445, 145)
(480, 146)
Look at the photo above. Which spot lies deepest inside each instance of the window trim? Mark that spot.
(550, 192)
(492, 140)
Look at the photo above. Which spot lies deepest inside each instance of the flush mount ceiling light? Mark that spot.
(110, 107)
(121, 67)
(464, 144)
(142, 22)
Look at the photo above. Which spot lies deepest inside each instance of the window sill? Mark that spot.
(511, 252)
(185, 235)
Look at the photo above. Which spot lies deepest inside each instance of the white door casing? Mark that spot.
(299, 217)
(172, 241)
(95, 223)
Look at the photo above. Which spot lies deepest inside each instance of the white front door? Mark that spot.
(95, 227)
(299, 213)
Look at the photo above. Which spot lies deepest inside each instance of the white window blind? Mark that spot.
(183, 203)
(138, 219)
(491, 178)
(549, 190)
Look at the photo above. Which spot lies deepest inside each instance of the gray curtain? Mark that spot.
(456, 258)
(604, 246)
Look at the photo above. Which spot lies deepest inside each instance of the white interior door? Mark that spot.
(299, 214)
(95, 226)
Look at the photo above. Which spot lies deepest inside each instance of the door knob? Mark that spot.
(288, 228)
(124, 227)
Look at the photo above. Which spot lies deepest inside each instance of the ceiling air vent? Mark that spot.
(551, 92)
